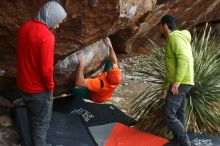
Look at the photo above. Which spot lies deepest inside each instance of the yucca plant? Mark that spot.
(203, 101)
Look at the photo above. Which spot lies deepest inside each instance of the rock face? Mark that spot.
(128, 22)
(189, 14)
(93, 56)
(87, 22)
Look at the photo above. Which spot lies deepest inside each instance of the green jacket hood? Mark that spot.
(182, 33)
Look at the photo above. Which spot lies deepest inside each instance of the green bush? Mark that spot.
(203, 101)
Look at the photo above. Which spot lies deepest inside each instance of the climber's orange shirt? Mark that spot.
(97, 93)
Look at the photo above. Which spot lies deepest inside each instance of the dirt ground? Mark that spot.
(132, 85)
(126, 93)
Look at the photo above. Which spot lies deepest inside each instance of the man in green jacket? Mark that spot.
(179, 78)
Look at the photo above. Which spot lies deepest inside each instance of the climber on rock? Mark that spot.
(100, 88)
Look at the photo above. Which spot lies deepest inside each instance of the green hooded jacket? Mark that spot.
(179, 59)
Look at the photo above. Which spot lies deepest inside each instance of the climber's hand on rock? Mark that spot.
(81, 59)
(108, 42)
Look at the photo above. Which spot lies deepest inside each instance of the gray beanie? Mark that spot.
(51, 13)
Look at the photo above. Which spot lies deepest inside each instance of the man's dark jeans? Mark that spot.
(174, 112)
(39, 110)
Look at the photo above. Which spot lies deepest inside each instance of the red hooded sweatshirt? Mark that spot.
(35, 57)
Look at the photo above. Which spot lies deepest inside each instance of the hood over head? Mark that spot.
(183, 33)
(51, 13)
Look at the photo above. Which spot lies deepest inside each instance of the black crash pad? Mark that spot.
(92, 113)
(64, 130)
(203, 140)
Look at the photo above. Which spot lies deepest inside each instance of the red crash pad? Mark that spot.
(122, 135)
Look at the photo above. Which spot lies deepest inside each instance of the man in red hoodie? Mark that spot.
(35, 59)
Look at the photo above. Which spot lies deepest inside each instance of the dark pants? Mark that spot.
(174, 112)
(39, 110)
(81, 93)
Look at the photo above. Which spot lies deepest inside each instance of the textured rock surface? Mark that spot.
(93, 56)
(86, 23)
(8, 137)
(189, 13)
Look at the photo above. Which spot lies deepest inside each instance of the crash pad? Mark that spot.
(203, 140)
(117, 134)
(92, 113)
(64, 130)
